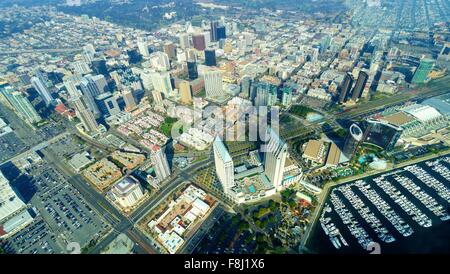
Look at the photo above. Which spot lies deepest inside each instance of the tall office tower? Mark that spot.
(191, 55)
(192, 70)
(160, 61)
(89, 91)
(81, 67)
(266, 94)
(89, 53)
(276, 152)
(221, 33)
(101, 83)
(360, 85)
(185, 92)
(207, 37)
(184, 41)
(213, 84)
(20, 104)
(143, 47)
(160, 163)
(345, 87)
(210, 57)
(171, 50)
(128, 97)
(161, 82)
(107, 104)
(41, 87)
(99, 67)
(421, 73)
(198, 41)
(286, 97)
(224, 165)
(354, 138)
(157, 96)
(85, 115)
(71, 88)
(213, 30)
(246, 83)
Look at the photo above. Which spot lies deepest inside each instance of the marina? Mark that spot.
(397, 210)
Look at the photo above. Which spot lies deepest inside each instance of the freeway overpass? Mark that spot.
(17, 52)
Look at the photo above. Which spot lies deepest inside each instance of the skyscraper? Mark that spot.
(275, 155)
(107, 104)
(185, 92)
(354, 138)
(224, 165)
(213, 30)
(345, 87)
(213, 84)
(210, 57)
(246, 83)
(160, 163)
(221, 32)
(85, 115)
(192, 70)
(161, 82)
(128, 97)
(160, 61)
(143, 47)
(198, 41)
(184, 41)
(40, 86)
(360, 85)
(171, 50)
(20, 104)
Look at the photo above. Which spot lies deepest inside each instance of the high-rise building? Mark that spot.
(354, 138)
(143, 47)
(213, 84)
(160, 61)
(345, 87)
(360, 85)
(160, 163)
(192, 70)
(128, 97)
(157, 97)
(81, 67)
(422, 72)
(286, 97)
(210, 57)
(41, 87)
(224, 165)
(161, 82)
(276, 152)
(89, 53)
(107, 104)
(86, 117)
(198, 41)
(246, 84)
(90, 90)
(184, 41)
(20, 104)
(266, 94)
(171, 50)
(221, 33)
(185, 92)
(213, 30)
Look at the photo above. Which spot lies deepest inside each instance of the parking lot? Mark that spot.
(10, 145)
(63, 211)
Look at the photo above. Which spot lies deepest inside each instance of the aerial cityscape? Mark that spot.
(224, 127)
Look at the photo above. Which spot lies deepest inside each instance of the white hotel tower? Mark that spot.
(224, 165)
(275, 159)
(213, 84)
